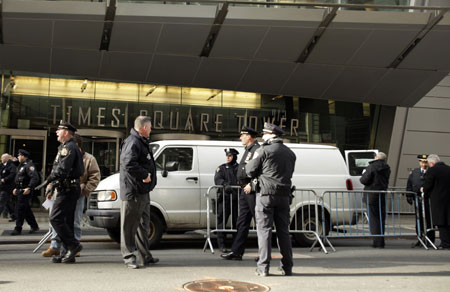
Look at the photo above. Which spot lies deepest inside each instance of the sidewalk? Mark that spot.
(89, 233)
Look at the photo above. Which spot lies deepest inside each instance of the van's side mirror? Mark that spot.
(170, 166)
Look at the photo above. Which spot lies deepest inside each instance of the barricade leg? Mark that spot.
(44, 239)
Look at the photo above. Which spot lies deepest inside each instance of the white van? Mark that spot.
(178, 202)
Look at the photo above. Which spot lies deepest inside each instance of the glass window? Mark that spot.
(183, 155)
(358, 161)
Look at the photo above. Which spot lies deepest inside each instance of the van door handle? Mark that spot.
(192, 178)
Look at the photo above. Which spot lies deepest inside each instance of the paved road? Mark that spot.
(354, 267)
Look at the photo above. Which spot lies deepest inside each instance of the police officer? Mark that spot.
(246, 196)
(227, 203)
(7, 176)
(414, 184)
(65, 175)
(27, 179)
(273, 165)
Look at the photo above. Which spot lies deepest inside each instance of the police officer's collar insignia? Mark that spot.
(64, 151)
(148, 156)
(32, 168)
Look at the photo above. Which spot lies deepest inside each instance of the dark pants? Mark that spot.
(24, 211)
(62, 215)
(135, 228)
(246, 214)
(272, 209)
(225, 208)
(424, 226)
(377, 217)
(6, 204)
(444, 235)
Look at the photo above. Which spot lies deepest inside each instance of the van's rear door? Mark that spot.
(357, 161)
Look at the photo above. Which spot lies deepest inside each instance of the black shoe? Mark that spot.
(260, 273)
(150, 261)
(231, 256)
(16, 232)
(71, 254)
(443, 247)
(132, 265)
(285, 272)
(33, 230)
(12, 220)
(58, 260)
(257, 259)
(377, 246)
(224, 250)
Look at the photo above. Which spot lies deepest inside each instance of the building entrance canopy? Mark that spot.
(379, 57)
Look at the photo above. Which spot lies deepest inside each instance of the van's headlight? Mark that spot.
(106, 196)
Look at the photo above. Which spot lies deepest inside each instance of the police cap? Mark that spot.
(230, 151)
(24, 152)
(422, 157)
(249, 131)
(66, 126)
(272, 129)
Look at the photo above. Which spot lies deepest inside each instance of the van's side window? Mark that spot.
(183, 155)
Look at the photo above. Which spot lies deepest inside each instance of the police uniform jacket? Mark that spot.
(226, 176)
(68, 164)
(273, 165)
(243, 178)
(27, 176)
(415, 181)
(437, 187)
(8, 173)
(136, 162)
(376, 176)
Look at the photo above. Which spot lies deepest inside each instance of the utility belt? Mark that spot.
(68, 183)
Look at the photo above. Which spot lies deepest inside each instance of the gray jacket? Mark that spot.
(273, 165)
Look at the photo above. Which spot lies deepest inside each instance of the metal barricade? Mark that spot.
(426, 217)
(345, 213)
(305, 216)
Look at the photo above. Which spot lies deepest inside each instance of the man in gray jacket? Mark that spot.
(272, 165)
(137, 179)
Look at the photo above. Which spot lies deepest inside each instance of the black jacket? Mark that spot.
(242, 176)
(437, 187)
(68, 163)
(8, 174)
(273, 165)
(27, 175)
(226, 176)
(376, 176)
(415, 181)
(136, 162)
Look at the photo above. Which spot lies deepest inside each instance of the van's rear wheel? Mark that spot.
(154, 236)
(307, 221)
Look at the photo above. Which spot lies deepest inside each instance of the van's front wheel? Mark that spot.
(154, 236)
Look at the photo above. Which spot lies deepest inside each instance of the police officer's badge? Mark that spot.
(218, 169)
(32, 168)
(21, 169)
(64, 152)
(148, 156)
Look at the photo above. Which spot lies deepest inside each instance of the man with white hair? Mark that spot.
(376, 178)
(7, 174)
(437, 188)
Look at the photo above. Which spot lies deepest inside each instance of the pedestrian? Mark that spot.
(26, 180)
(66, 172)
(415, 184)
(437, 188)
(137, 179)
(88, 182)
(376, 178)
(7, 176)
(247, 199)
(273, 165)
(227, 197)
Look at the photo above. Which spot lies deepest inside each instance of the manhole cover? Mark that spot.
(224, 285)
